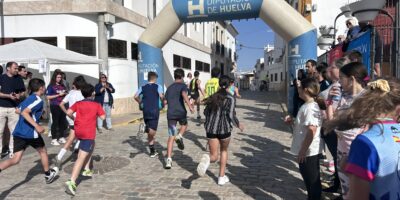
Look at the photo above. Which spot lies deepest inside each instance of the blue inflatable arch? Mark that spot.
(278, 14)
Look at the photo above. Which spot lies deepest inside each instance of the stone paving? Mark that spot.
(259, 164)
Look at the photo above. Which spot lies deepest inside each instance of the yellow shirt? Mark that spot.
(212, 86)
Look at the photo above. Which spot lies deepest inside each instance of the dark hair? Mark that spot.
(54, 77)
(303, 74)
(311, 86)
(355, 56)
(357, 70)
(102, 74)
(313, 62)
(79, 82)
(196, 74)
(367, 107)
(189, 74)
(152, 75)
(21, 67)
(216, 100)
(9, 64)
(179, 74)
(35, 84)
(215, 72)
(87, 90)
(1, 70)
(29, 73)
(322, 69)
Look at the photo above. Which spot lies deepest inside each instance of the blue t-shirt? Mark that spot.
(151, 102)
(375, 157)
(24, 129)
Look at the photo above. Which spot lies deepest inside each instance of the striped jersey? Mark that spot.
(221, 121)
(24, 129)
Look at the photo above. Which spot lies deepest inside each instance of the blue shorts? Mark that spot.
(86, 145)
(172, 125)
(151, 124)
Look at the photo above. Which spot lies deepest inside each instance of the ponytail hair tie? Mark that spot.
(382, 85)
(366, 79)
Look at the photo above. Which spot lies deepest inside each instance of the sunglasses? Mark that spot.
(103, 77)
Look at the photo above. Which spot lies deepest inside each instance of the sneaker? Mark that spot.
(179, 142)
(49, 134)
(110, 129)
(100, 130)
(70, 187)
(4, 154)
(223, 180)
(87, 173)
(203, 165)
(11, 155)
(53, 173)
(54, 142)
(153, 153)
(168, 164)
(62, 140)
(332, 189)
(198, 117)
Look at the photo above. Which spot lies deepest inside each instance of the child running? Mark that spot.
(150, 98)
(373, 162)
(28, 131)
(307, 144)
(220, 113)
(87, 112)
(72, 97)
(176, 97)
(195, 90)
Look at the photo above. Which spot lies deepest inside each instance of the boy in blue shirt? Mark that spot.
(27, 132)
(149, 98)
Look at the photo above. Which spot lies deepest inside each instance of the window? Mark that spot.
(276, 77)
(182, 62)
(134, 51)
(201, 66)
(281, 76)
(117, 48)
(83, 45)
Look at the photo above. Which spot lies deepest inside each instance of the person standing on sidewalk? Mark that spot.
(150, 98)
(220, 114)
(104, 97)
(55, 94)
(28, 132)
(11, 90)
(176, 97)
(195, 90)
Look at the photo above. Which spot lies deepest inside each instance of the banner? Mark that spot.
(150, 60)
(335, 54)
(362, 44)
(214, 10)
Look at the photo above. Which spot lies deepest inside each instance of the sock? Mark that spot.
(0, 170)
(61, 154)
(47, 173)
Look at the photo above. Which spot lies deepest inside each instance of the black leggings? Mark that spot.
(309, 170)
(59, 123)
(331, 142)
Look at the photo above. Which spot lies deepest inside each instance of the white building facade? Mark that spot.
(78, 25)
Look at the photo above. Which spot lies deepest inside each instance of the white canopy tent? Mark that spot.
(34, 52)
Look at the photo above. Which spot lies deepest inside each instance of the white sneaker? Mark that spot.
(203, 165)
(11, 155)
(49, 134)
(62, 140)
(223, 180)
(168, 163)
(54, 142)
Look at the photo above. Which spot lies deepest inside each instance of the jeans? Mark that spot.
(8, 115)
(309, 170)
(331, 142)
(107, 109)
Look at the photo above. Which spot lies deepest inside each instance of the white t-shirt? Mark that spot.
(309, 115)
(72, 97)
(106, 98)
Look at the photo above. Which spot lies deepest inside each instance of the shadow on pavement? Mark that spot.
(141, 147)
(260, 178)
(208, 195)
(196, 139)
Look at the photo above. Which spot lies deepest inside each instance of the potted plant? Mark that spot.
(365, 16)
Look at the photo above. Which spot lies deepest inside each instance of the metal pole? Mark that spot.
(396, 41)
(372, 53)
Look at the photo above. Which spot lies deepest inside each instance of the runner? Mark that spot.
(85, 130)
(74, 96)
(176, 97)
(28, 132)
(220, 113)
(212, 85)
(150, 98)
(195, 90)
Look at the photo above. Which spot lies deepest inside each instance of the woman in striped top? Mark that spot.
(220, 116)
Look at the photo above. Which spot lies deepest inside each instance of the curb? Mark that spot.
(135, 120)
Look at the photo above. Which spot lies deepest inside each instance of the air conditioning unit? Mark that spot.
(109, 19)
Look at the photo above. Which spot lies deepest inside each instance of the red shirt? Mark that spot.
(87, 112)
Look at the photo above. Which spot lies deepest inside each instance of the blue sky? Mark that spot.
(254, 34)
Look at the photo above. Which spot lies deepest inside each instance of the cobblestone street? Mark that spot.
(259, 163)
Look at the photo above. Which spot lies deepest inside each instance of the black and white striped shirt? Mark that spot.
(221, 121)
